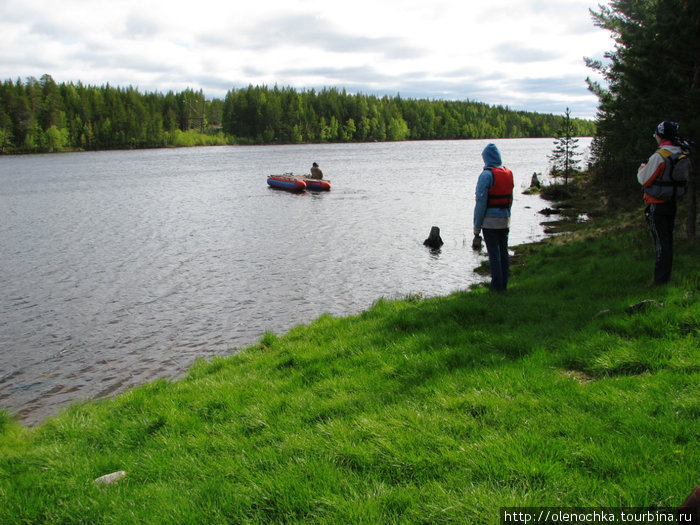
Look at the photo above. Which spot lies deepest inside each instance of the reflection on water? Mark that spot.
(121, 267)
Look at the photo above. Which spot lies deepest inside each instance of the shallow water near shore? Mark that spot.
(122, 267)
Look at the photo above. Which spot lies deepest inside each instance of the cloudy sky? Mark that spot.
(526, 54)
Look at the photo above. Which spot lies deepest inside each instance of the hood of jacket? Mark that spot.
(491, 156)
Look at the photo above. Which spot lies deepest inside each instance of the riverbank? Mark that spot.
(580, 386)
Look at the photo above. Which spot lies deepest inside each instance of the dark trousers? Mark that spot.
(499, 262)
(660, 218)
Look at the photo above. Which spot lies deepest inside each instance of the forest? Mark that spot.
(652, 74)
(44, 116)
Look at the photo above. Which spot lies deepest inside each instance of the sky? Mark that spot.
(524, 54)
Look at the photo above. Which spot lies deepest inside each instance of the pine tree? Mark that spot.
(563, 157)
(653, 74)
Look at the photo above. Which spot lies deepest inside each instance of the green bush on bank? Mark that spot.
(192, 138)
(415, 411)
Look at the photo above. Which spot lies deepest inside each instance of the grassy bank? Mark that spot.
(416, 411)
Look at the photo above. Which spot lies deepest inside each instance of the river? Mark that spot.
(121, 267)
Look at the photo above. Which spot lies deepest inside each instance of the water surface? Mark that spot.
(121, 267)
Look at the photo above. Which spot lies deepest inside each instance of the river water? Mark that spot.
(121, 267)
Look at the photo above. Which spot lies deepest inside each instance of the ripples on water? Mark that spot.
(121, 267)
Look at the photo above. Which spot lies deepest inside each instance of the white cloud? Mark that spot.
(527, 54)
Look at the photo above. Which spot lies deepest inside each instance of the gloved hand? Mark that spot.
(476, 243)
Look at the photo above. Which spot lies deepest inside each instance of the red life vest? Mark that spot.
(501, 193)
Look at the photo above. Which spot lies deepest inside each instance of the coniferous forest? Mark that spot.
(44, 116)
(653, 74)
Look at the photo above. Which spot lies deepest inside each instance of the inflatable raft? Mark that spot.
(317, 184)
(291, 182)
(286, 182)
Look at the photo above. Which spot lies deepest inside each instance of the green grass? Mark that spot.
(439, 410)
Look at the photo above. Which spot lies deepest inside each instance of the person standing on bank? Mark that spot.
(494, 198)
(660, 195)
(316, 172)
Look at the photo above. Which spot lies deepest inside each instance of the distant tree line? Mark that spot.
(43, 116)
(269, 115)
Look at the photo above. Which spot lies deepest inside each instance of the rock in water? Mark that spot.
(434, 240)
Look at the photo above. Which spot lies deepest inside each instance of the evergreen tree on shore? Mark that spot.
(564, 156)
(653, 74)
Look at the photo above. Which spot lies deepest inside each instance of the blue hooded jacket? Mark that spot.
(492, 159)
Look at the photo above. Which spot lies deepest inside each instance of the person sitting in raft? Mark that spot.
(316, 172)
